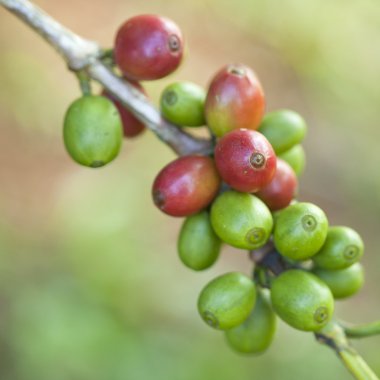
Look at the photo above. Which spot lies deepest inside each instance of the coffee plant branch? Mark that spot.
(85, 58)
(82, 55)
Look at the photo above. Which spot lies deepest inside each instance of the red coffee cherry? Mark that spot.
(245, 160)
(235, 99)
(131, 125)
(281, 190)
(148, 47)
(186, 186)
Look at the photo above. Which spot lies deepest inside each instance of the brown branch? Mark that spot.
(81, 54)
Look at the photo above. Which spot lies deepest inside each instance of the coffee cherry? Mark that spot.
(182, 103)
(300, 231)
(343, 283)
(92, 131)
(279, 192)
(235, 99)
(245, 160)
(227, 301)
(342, 248)
(283, 129)
(256, 333)
(131, 125)
(186, 185)
(148, 47)
(198, 246)
(295, 157)
(302, 300)
(241, 220)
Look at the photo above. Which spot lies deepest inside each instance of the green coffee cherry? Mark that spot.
(284, 129)
(256, 333)
(182, 103)
(295, 157)
(343, 282)
(92, 131)
(241, 220)
(300, 231)
(342, 248)
(198, 246)
(227, 301)
(302, 300)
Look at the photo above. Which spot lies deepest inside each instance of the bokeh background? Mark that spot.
(90, 283)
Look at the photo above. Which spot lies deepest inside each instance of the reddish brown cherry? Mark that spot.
(148, 47)
(235, 99)
(245, 160)
(281, 190)
(186, 185)
(131, 125)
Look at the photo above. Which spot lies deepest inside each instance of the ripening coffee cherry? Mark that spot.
(241, 220)
(186, 185)
(198, 245)
(245, 160)
(295, 157)
(279, 192)
(182, 103)
(227, 301)
(256, 333)
(302, 300)
(300, 231)
(283, 129)
(235, 99)
(131, 125)
(148, 47)
(343, 283)
(92, 131)
(342, 248)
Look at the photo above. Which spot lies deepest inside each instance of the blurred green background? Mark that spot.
(90, 283)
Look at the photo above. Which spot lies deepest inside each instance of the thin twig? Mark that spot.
(361, 331)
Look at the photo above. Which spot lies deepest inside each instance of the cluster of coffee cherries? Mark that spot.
(241, 195)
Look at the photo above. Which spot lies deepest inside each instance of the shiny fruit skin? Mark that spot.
(131, 125)
(284, 129)
(227, 301)
(182, 103)
(280, 191)
(186, 185)
(343, 283)
(241, 220)
(302, 300)
(235, 99)
(245, 160)
(92, 131)
(300, 231)
(198, 246)
(295, 157)
(148, 47)
(256, 333)
(342, 248)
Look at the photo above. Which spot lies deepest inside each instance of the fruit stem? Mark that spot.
(107, 54)
(84, 82)
(107, 57)
(363, 330)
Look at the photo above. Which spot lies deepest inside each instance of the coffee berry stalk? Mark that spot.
(237, 188)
